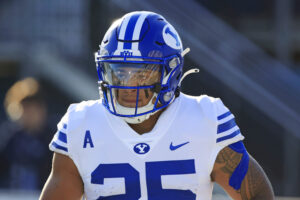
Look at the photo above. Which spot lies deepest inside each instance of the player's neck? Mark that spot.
(147, 125)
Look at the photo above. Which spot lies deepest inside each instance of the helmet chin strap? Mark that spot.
(142, 118)
(139, 119)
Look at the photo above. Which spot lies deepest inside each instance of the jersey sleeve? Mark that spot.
(60, 141)
(228, 131)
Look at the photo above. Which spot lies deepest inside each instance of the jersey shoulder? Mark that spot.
(73, 120)
(214, 112)
(211, 107)
(78, 112)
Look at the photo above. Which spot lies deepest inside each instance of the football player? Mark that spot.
(144, 139)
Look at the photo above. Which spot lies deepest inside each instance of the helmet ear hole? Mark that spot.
(159, 43)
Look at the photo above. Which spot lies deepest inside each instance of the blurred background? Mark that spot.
(248, 53)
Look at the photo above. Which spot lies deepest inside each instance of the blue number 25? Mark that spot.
(154, 171)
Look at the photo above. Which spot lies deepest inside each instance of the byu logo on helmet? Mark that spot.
(141, 148)
(126, 53)
(171, 37)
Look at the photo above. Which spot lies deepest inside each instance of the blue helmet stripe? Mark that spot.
(138, 29)
(122, 32)
(129, 31)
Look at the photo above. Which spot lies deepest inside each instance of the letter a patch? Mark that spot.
(88, 140)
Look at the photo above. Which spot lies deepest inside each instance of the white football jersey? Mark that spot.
(173, 161)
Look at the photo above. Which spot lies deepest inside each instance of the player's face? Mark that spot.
(133, 75)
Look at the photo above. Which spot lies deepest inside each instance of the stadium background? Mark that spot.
(248, 53)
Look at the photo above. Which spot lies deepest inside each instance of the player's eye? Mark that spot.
(121, 75)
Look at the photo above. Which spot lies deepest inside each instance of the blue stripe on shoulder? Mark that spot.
(59, 147)
(65, 126)
(224, 115)
(62, 137)
(226, 126)
(241, 170)
(229, 136)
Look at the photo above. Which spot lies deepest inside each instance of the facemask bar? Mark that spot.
(115, 108)
(161, 88)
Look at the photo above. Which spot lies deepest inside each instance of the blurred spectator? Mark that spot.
(24, 157)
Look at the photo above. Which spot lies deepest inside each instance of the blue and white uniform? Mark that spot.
(173, 161)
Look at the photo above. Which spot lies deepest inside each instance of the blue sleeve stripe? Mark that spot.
(224, 115)
(226, 126)
(229, 136)
(65, 126)
(59, 147)
(62, 137)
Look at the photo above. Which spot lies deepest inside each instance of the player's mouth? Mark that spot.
(130, 100)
